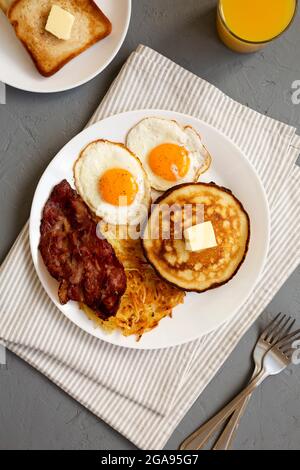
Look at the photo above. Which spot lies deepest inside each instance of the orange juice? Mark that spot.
(248, 25)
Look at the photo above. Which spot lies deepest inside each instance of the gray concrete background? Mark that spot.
(34, 413)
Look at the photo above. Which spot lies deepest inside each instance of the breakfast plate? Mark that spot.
(18, 70)
(201, 312)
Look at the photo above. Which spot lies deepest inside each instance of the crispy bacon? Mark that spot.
(85, 265)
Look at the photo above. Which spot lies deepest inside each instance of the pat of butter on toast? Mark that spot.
(60, 23)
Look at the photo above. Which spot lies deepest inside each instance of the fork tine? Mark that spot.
(276, 329)
(288, 339)
(274, 323)
(284, 330)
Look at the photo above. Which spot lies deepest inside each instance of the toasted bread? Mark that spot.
(49, 53)
(5, 4)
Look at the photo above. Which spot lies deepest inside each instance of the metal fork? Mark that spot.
(274, 361)
(279, 327)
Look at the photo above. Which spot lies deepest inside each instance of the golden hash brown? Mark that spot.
(147, 298)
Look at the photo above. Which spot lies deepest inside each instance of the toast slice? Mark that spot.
(49, 53)
(5, 4)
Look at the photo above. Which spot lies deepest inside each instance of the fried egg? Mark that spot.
(112, 182)
(171, 154)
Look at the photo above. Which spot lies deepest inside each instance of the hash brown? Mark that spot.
(147, 298)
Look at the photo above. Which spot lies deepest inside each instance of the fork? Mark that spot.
(274, 361)
(279, 327)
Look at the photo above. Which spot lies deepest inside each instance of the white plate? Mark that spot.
(200, 313)
(17, 68)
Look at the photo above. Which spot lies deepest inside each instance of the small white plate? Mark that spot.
(200, 313)
(18, 70)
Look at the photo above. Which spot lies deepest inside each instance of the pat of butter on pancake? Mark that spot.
(60, 23)
(200, 237)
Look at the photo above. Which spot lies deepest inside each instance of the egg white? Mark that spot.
(94, 161)
(152, 132)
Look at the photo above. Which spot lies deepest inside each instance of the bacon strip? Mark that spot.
(85, 266)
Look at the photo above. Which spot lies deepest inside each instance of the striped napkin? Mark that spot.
(145, 394)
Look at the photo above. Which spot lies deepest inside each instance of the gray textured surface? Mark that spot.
(34, 413)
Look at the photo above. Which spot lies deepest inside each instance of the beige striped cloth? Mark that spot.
(145, 394)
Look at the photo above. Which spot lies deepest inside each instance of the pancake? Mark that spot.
(164, 244)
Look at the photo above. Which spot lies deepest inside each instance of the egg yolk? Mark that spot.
(169, 161)
(118, 187)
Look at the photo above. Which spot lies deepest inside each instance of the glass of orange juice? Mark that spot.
(249, 25)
